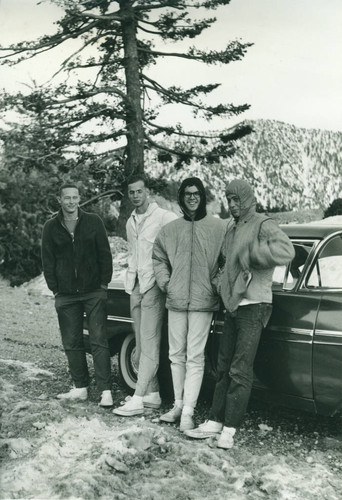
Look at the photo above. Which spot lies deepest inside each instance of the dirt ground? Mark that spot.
(63, 450)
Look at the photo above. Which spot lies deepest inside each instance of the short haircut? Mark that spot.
(69, 185)
(137, 177)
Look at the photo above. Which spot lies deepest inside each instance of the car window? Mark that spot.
(327, 269)
(287, 276)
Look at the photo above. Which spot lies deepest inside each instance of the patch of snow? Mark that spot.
(335, 220)
(30, 371)
(90, 456)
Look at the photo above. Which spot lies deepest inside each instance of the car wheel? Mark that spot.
(127, 369)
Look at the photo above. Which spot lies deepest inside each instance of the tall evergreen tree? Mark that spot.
(117, 39)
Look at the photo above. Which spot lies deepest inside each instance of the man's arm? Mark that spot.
(272, 248)
(49, 260)
(161, 263)
(104, 254)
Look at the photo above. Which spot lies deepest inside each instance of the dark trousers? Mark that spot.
(70, 310)
(237, 350)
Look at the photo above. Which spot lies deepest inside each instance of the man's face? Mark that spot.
(234, 205)
(192, 199)
(138, 196)
(69, 200)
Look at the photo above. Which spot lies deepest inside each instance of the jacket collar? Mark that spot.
(151, 208)
(60, 216)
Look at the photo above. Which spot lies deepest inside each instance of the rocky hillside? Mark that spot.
(290, 167)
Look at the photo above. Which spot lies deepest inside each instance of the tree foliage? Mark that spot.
(97, 123)
(117, 40)
(335, 208)
(34, 162)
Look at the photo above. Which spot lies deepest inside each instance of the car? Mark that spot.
(299, 359)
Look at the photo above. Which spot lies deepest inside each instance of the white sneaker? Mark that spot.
(152, 400)
(172, 416)
(106, 399)
(186, 422)
(226, 439)
(207, 429)
(130, 408)
(75, 393)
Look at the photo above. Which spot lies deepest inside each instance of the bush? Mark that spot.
(335, 208)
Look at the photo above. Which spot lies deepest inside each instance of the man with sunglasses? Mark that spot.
(185, 259)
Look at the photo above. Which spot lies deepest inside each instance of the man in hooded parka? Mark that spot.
(253, 246)
(185, 260)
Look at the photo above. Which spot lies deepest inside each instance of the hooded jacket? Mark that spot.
(140, 238)
(79, 264)
(185, 256)
(252, 248)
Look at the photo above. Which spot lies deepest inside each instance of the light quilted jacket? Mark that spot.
(185, 262)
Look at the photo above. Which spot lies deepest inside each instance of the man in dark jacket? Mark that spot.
(254, 245)
(77, 264)
(185, 259)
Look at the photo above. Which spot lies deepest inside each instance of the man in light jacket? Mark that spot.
(253, 246)
(185, 259)
(147, 302)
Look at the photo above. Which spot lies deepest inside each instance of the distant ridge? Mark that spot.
(290, 167)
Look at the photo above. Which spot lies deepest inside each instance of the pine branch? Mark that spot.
(45, 43)
(91, 139)
(100, 196)
(91, 93)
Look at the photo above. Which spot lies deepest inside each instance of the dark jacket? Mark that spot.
(79, 264)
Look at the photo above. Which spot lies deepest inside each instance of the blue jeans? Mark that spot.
(70, 310)
(237, 349)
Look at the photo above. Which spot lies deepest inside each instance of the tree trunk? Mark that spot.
(135, 133)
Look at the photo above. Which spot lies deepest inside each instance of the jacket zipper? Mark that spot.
(72, 236)
(191, 254)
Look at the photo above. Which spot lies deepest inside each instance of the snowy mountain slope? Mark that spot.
(290, 167)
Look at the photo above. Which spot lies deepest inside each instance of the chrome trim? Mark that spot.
(120, 318)
(289, 340)
(288, 329)
(329, 333)
(328, 343)
(116, 287)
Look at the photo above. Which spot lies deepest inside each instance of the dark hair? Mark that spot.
(136, 178)
(69, 185)
(202, 210)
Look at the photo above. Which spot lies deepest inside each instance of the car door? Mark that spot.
(325, 278)
(284, 360)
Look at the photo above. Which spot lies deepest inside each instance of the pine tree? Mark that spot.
(115, 104)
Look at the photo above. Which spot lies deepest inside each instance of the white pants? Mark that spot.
(188, 333)
(147, 311)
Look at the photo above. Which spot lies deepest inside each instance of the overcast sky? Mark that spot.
(293, 73)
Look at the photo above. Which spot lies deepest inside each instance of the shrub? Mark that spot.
(335, 208)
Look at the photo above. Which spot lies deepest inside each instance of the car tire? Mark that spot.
(127, 370)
